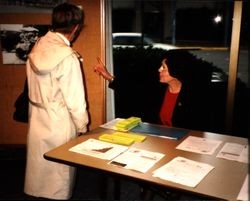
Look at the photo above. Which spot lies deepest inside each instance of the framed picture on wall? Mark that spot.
(34, 6)
(17, 41)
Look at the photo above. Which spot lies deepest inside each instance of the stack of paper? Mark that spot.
(135, 137)
(235, 151)
(183, 171)
(122, 138)
(137, 159)
(199, 145)
(127, 124)
(99, 149)
(116, 139)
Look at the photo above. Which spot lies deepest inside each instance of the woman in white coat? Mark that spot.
(57, 109)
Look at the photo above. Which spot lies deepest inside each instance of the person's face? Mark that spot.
(164, 75)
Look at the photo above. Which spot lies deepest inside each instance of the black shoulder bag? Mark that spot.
(22, 105)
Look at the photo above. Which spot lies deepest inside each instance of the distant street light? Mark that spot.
(217, 19)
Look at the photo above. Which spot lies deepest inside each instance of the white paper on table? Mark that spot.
(199, 145)
(183, 171)
(99, 149)
(234, 151)
(244, 194)
(111, 124)
(244, 157)
(137, 159)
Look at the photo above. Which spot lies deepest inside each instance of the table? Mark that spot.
(223, 182)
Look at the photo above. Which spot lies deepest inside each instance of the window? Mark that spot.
(204, 28)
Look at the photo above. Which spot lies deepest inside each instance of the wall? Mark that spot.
(89, 44)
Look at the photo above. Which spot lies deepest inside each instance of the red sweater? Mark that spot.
(167, 107)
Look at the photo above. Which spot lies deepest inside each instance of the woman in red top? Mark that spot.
(186, 100)
(172, 92)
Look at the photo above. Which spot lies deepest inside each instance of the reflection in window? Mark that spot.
(203, 28)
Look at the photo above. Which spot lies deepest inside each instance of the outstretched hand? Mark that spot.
(101, 69)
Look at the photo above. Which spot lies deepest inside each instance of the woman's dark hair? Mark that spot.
(187, 67)
(65, 16)
(177, 62)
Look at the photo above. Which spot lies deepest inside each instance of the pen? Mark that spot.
(162, 136)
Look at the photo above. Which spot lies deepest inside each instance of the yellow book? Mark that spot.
(135, 137)
(116, 139)
(128, 123)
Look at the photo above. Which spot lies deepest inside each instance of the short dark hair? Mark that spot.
(187, 68)
(65, 16)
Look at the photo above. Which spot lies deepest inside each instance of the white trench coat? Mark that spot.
(57, 111)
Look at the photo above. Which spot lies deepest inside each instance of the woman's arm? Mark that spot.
(101, 69)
